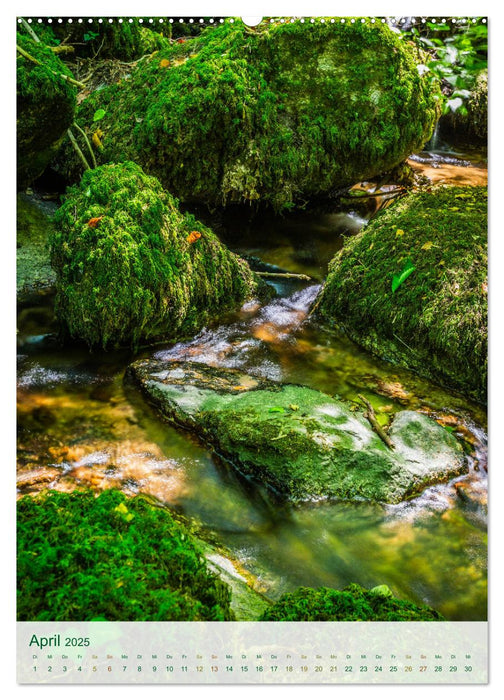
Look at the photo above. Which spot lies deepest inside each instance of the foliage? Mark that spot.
(82, 557)
(125, 41)
(278, 116)
(125, 269)
(456, 56)
(436, 323)
(353, 603)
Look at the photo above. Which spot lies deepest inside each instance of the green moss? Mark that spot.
(45, 108)
(133, 274)
(353, 603)
(82, 557)
(278, 116)
(436, 320)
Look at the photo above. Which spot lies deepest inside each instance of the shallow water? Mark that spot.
(80, 425)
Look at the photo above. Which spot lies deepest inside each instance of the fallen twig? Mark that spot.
(78, 150)
(285, 275)
(370, 415)
(87, 143)
(370, 195)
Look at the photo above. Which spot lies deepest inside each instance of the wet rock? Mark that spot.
(36, 478)
(45, 108)
(34, 276)
(300, 442)
(246, 603)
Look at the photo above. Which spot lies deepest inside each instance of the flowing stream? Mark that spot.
(80, 425)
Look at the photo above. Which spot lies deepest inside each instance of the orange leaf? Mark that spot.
(193, 237)
(164, 63)
(93, 223)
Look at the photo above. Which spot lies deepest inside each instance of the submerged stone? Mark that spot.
(302, 443)
(45, 108)
(130, 266)
(435, 321)
(279, 116)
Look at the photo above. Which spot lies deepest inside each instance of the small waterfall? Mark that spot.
(433, 144)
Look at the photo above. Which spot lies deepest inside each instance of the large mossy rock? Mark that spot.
(82, 557)
(282, 115)
(45, 108)
(130, 266)
(435, 322)
(300, 442)
(353, 603)
(34, 275)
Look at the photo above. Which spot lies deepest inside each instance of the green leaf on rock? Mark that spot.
(406, 272)
(99, 114)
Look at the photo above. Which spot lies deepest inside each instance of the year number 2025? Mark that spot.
(76, 641)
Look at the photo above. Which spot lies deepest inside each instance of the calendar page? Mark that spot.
(252, 349)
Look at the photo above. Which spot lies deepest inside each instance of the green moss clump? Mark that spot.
(82, 557)
(127, 266)
(45, 108)
(436, 321)
(478, 107)
(353, 603)
(279, 116)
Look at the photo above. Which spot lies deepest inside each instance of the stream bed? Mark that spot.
(80, 425)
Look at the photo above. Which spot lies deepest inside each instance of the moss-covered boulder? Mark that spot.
(45, 108)
(285, 114)
(353, 603)
(82, 557)
(300, 442)
(34, 275)
(435, 321)
(130, 266)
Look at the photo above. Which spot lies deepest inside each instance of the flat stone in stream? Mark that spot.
(302, 443)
